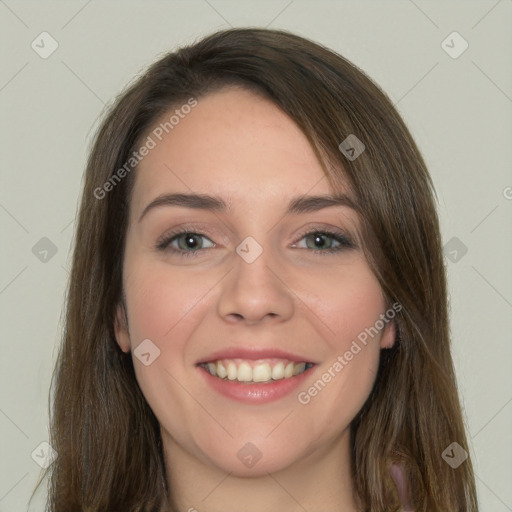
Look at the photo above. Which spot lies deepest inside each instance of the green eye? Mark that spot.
(188, 243)
(327, 241)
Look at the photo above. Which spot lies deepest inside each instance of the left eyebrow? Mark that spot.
(298, 205)
(306, 204)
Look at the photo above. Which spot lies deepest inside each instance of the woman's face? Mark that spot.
(273, 298)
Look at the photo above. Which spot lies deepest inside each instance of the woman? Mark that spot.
(217, 356)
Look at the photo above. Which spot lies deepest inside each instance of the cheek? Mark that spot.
(164, 306)
(348, 307)
(159, 301)
(347, 303)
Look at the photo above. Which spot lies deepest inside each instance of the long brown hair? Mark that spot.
(106, 436)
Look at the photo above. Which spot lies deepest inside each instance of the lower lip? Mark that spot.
(258, 393)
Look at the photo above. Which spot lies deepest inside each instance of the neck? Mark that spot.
(319, 482)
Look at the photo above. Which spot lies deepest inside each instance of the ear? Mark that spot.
(388, 335)
(121, 329)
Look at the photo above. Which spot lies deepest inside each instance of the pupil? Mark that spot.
(190, 240)
(319, 240)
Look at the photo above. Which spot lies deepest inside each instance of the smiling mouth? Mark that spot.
(255, 371)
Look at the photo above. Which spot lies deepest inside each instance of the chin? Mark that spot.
(252, 459)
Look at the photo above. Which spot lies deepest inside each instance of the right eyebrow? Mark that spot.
(196, 201)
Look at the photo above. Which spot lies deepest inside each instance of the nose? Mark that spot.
(257, 291)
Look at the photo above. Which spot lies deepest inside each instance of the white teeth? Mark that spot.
(278, 371)
(221, 371)
(288, 371)
(232, 371)
(259, 371)
(244, 372)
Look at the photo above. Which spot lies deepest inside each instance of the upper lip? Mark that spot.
(253, 354)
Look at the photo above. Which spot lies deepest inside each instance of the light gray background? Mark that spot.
(459, 111)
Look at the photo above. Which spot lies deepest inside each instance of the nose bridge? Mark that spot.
(254, 289)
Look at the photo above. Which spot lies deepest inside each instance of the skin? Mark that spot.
(241, 147)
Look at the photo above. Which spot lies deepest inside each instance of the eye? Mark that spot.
(326, 241)
(190, 243)
(185, 243)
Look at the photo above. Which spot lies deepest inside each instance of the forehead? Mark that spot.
(234, 144)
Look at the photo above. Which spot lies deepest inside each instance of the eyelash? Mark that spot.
(344, 242)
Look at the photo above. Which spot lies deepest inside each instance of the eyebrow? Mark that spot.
(298, 205)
